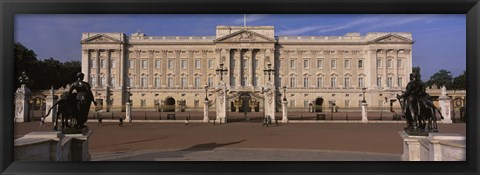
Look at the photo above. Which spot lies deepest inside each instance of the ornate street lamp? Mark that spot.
(284, 92)
(269, 71)
(206, 91)
(221, 71)
(129, 94)
(363, 91)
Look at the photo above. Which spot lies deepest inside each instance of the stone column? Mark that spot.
(108, 68)
(395, 69)
(164, 60)
(86, 63)
(445, 107)
(284, 111)
(364, 112)
(151, 66)
(411, 147)
(205, 111)
(204, 66)
(97, 62)
(190, 68)
(22, 96)
(177, 68)
(250, 68)
(51, 99)
(221, 102)
(270, 100)
(385, 68)
(128, 111)
(121, 69)
(238, 67)
(138, 63)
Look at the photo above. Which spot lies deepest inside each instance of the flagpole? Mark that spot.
(244, 20)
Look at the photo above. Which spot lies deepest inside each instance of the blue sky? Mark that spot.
(440, 40)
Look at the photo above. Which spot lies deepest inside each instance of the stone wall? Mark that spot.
(435, 147)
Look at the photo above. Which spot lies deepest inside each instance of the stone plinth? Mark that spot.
(284, 111)
(22, 96)
(79, 147)
(205, 111)
(270, 100)
(40, 146)
(445, 106)
(435, 147)
(128, 112)
(364, 112)
(221, 102)
(50, 100)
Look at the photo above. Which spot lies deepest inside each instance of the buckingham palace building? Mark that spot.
(177, 73)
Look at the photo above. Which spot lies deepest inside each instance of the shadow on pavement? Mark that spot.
(208, 146)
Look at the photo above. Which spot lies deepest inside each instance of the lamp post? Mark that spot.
(284, 92)
(363, 91)
(269, 71)
(206, 91)
(221, 71)
(129, 94)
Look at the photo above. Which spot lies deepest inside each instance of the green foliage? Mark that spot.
(441, 78)
(46, 73)
(460, 82)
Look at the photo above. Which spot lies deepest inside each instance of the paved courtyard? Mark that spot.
(154, 141)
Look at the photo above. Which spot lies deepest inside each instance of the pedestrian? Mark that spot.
(99, 121)
(186, 121)
(120, 120)
(42, 121)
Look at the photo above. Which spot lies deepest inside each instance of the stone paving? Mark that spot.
(243, 141)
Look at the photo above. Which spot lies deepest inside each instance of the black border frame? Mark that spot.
(8, 8)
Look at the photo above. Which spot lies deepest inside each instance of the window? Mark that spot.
(389, 63)
(130, 81)
(244, 81)
(184, 64)
(93, 81)
(210, 64)
(305, 64)
(92, 62)
(233, 81)
(360, 64)
(144, 64)
(112, 81)
(399, 63)
(379, 63)
(113, 63)
(333, 82)
(347, 82)
(197, 82)
(183, 82)
(102, 63)
(144, 82)
(292, 82)
(157, 81)
(305, 82)
(389, 82)
(319, 64)
(361, 82)
(379, 81)
(400, 83)
(131, 64)
(170, 64)
(255, 81)
(292, 64)
(170, 82)
(197, 64)
(347, 103)
(319, 82)
(102, 81)
(143, 103)
(157, 64)
(333, 64)
(347, 64)
(210, 81)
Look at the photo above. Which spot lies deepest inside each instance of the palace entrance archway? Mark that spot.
(318, 104)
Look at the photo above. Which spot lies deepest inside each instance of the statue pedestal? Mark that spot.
(445, 108)
(79, 147)
(128, 112)
(22, 95)
(270, 100)
(284, 111)
(434, 147)
(364, 112)
(205, 111)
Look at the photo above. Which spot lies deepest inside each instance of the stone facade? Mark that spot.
(163, 71)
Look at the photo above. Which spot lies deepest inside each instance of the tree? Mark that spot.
(24, 60)
(441, 78)
(460, 82)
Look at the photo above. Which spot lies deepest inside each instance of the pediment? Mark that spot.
(100, 39)
(244, 36)
(392, 38)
